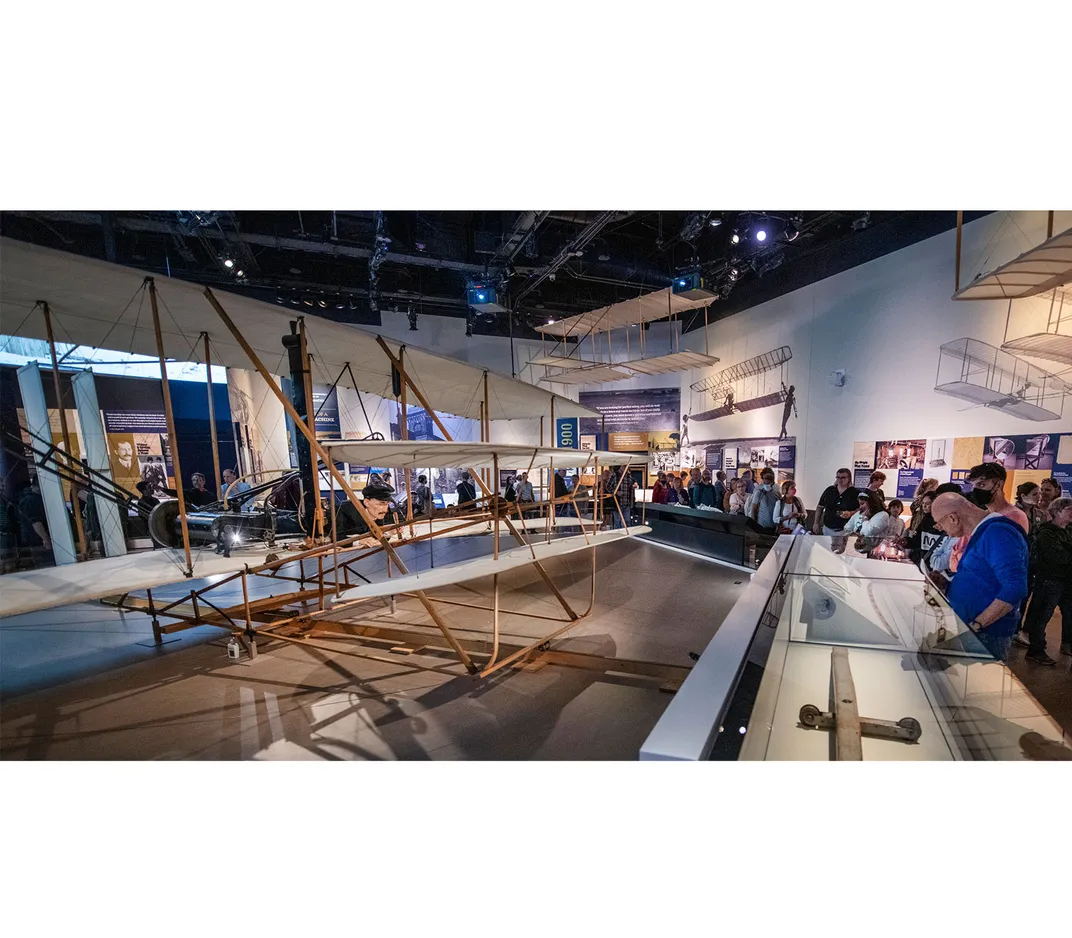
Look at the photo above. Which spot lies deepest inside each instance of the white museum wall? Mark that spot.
(883, 323)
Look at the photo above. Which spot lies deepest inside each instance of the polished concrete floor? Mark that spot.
(1051, 686)
(75, 685)
(85, 682)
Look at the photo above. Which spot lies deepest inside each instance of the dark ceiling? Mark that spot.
(350, 265)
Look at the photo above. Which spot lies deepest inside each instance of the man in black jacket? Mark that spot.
(1053, 582)
(466, 491)
(376, 500)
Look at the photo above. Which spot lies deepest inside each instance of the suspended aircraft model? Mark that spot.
(85, 295)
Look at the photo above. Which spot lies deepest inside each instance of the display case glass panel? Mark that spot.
(912, 681)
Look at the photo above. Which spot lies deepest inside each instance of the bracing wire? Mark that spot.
(18, 328)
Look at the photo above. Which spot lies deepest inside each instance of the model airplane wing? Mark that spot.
(479, 567)
(49, 587)
(420, 454)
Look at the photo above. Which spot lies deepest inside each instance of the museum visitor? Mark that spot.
(1052, 587)
(990, 582)
(836, 505)
(789, 513)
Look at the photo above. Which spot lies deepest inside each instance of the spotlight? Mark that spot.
(481, 296)
(792, 230)
(307, 302)
(551, 322)
(353, 304)
(228, 263)
(280, 299)
(240, 273)
(340, 305)
(761, 236)
(734, 273)
(682, 283)
(735, 238)
(322, 303)
(295, 301)
(604, 257)
(715, 222)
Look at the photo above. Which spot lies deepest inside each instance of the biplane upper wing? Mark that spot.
(97, 303)
(419, 454)
(479, 567)
(49, 587)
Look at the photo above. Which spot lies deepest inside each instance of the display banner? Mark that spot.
(633, 410)
(627, 442)
(863, 455)
(939, 459)
(1028, 457)
(734, 456)
(138, 449)
(420, 424)
(326, 409)
(1062, 469)
(568, 432)
(904, 460)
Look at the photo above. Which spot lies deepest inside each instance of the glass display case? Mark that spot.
(829, 654)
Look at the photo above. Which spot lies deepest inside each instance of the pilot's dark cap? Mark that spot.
(379, 491)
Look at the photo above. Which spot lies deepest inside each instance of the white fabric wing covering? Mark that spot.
(49, 587)
(102, 305)
(1043, 268)
(421, 454)
(646, 308)
(467, 570)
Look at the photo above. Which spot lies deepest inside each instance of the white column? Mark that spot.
(95, 453)
(33, 403)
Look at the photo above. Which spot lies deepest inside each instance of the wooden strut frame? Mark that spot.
(373, 527)
(212, 418)
(173, 439)
(268, 618)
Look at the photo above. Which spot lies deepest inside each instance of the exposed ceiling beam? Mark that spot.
(526, 224)
(133, 223)
(587, 234)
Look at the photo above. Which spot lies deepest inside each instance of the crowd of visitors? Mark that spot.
(1006, 566)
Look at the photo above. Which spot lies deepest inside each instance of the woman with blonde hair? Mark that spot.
(927, 485)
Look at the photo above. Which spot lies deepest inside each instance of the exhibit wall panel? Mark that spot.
(882, 323)
(260, 419)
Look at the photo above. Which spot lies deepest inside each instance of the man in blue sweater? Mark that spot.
(991, 579)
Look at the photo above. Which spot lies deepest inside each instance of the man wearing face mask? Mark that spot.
(761, 505)
(988, 492)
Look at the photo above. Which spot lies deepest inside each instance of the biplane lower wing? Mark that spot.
(479, 567)
(50, 587)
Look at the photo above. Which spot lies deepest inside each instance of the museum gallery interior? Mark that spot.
(536, 485)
